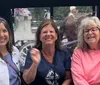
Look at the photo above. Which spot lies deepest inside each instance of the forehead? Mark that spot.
(48, 27)
(91, 25)
(2, 26)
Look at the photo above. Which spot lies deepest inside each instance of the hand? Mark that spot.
(35, 55)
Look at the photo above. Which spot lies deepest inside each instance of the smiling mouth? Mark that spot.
(2, 40)
(90, 37)
(48, 39)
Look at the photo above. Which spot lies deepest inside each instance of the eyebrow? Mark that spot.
(91, 28)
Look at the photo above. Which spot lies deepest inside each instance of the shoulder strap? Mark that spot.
(10, 65)
(1, 56)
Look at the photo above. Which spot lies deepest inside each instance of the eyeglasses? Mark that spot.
(94, 29)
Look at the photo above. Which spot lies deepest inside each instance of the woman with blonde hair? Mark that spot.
(85, 65)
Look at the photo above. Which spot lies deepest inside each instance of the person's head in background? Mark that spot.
(5, 36)
(41, 34)
(73, 9)
(89, 34)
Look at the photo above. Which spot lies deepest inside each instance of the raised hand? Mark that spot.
(35, 55)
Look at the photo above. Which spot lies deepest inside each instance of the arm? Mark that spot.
(30, 74)
(67, 78)
(77, 69)
(67, 65)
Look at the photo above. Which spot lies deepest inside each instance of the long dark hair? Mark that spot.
(9, 44)
(44, 23)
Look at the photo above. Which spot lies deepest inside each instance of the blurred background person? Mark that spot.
(68, 34)
(47, 14)
(73, 11)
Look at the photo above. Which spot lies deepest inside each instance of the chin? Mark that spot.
(48, 44)
(2, 44)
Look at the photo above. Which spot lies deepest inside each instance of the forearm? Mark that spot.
(67, 82)
(29, 75)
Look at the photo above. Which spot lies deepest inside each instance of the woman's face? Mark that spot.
(4, 35)
(48, 36)
(92, 34)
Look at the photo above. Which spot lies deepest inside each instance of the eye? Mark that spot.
(94, 29)
(44, 31)
(51, 31)
(4, 30)
(86, 31)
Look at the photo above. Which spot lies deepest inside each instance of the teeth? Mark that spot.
(47, 39)
(90, 37)
(1, 40)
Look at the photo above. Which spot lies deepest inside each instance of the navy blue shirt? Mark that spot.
(45, 72)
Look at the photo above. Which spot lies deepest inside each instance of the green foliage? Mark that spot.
(38, 13)
(62, 12)
(59, 13)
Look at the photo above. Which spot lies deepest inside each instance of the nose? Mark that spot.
(90, 31)
(48, 33)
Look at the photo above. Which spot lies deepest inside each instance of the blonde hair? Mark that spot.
(86, 22)
(72, 7)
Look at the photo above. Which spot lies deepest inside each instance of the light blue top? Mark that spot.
(13, 77)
